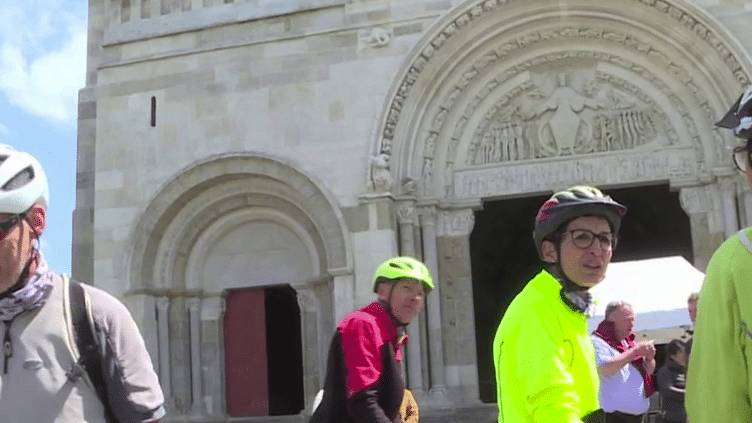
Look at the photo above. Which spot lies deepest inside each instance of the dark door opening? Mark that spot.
(504, 258)
(263, 352)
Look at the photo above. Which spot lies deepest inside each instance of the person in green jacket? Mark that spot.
(543, 355)
(720, 364)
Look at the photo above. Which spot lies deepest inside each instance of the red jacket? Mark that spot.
(363, 378)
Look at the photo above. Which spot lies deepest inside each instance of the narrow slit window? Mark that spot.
(153, 111)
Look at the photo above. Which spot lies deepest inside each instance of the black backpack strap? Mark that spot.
(90, 358)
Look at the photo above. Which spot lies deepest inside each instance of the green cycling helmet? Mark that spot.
(403, 268)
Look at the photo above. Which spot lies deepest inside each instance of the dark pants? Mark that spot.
(619, 417)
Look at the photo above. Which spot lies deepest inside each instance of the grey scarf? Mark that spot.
(31, 296)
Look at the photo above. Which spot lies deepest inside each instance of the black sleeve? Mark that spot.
(666, 380)
(363, 407)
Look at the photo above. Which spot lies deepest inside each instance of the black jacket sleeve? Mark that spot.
(666, 381)
(363, 407)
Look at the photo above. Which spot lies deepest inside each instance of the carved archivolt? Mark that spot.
(672, 12)
(607, 114)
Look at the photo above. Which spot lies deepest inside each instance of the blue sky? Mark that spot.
(42, 67)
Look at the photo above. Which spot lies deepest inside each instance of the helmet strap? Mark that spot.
(569, 289)
(387, 305)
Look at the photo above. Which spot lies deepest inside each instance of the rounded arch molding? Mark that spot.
(179, 215)
(645, 80)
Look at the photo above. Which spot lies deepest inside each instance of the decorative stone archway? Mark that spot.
(503, 98)
(179, 245)
(499, 67)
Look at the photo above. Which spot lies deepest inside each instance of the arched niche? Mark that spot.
(582, 91)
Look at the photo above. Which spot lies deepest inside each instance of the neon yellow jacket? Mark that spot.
(544, 358)
(719, 375)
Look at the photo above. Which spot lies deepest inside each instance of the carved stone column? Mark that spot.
(747, 196)
(406, 220)
(197, 408)
(163, 325)
(705, 222)
(433, 304)
(457, 309)
(212, 355)
(730, 214)
(310, 325)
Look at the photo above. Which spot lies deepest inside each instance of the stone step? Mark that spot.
(484, 413)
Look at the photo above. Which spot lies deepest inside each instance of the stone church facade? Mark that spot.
(229, 145)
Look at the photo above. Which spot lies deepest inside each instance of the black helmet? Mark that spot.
(739, 116)
(570, 204)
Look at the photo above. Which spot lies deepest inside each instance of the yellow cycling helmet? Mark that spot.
(403, 268)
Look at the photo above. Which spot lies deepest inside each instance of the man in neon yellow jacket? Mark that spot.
(719, 373)
(543, 354)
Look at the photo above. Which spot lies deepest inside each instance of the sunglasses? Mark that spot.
(8, 224)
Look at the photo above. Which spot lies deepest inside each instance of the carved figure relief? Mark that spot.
(381, 177)
(599, 115)
(427, 174)
(566, 128)
(375, 37)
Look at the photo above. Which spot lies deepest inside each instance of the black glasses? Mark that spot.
(741, 158)
(7, 224)
(583, 238)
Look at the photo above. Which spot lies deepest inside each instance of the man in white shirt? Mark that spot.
(624, 367)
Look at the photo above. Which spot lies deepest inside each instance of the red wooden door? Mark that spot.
(246, 378)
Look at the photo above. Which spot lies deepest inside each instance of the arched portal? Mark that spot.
(225, 234)
(535, 90)
(505, 99)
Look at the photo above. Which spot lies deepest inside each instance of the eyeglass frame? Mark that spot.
(735, 156)
(604, 243)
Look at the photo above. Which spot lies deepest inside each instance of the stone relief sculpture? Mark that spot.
(601, 116)
(566, 127)
(376, 37)
(448, 179)
(381, 177)
(427, 174)
(409, 186)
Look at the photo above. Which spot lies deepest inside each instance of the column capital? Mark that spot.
(427, 215)
(212, 308)
(406, 213)
(193, 303)
(455, 222)
(695, 200)
(307, 300)
(163, 303)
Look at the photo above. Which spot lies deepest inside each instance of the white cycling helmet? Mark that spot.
(22, 181)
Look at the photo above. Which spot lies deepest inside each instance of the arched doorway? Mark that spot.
(231, 223)
(504, 258)
(263, 359)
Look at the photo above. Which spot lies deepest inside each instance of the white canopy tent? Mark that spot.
(657, 288)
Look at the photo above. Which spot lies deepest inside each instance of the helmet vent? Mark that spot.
(22, 178)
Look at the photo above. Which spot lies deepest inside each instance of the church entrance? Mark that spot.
(263, 352)
(504, 257)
